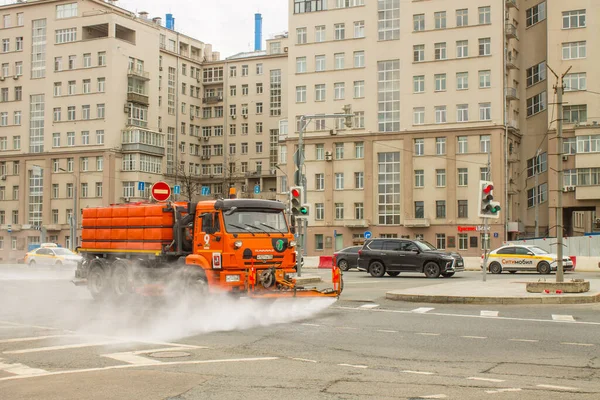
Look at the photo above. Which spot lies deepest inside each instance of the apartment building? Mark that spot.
(559, 37)
(427, 87)
(243, 104)
(96, 104)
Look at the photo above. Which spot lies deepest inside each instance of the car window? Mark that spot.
(506, 250)
(376, 245)
(409, 246)
(391, 245)
(44, 252)
(522, 251)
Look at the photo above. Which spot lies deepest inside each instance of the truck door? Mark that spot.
(211, 231)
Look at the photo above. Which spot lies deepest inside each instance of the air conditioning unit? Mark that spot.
(332, 132)
(192, 117)
(244, 188)
(16, 77)
(233, 116)
(2, 78)
(203, 158)
(328, 156)
(126, 109)
(208, 157)
(273, 171)
(160, 68)
(206, 138)
(285, 49)
(3, 177)
(565, 157)
(565, 189)
(570, 188)
(245, 116)
(198, 79)
(160, 129)
(126, 199)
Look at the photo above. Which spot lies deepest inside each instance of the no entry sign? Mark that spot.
(161, 191)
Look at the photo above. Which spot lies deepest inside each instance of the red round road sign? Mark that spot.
(161, 191)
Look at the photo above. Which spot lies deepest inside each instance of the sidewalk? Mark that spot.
(492, 292)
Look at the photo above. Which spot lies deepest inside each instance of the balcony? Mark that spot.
(143, 141)
(511, 31)
(417, 223)
(137, 98)
(511, 93)
(356, 223)
(134, 73)
(511, 3)
(511, 61)
(212, 99)
(53, 228)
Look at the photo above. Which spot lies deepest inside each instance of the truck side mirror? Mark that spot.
(293, 230)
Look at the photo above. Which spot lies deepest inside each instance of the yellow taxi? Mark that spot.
(513, 258)
(51, 254)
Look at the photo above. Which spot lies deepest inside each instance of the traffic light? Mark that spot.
(488, 208)
(348, 110)
(298, 209)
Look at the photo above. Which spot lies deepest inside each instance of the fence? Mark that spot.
(582, 246)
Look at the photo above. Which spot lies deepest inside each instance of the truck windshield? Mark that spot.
(242, 220)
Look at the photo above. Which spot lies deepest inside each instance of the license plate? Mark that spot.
(264, 257)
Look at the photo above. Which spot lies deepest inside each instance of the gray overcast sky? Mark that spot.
(226, 24)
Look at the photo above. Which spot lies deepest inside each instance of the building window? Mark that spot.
(462, 17)
(440, 209)
(485, 47)
(440, 241)
(440, 114)
(359, 150)
(389, 188)
(485, 111)
(536, 104)
(300, 36)
(300, 68)
(339, 91)
(320, 33)
(485, 79)
(339, 31)
(463, 241)
(440, 178)
(359, 59)
(575, 114)
(275, 92)
(462, 80)
(440, 82)
(463, 209)
(359, 29)
(440, 51)
(419, 22)
(484, 143)
(573, 50)
(339, 181)
(588, 144)
(462, 48)
(440, 146)
(418, 115)
(419, 84)
(389, 95)
(419, 209)
(419, 147)
(573, 19)
(359, 89)
(419, 52)
(339, 151)
(320, 181)
(318, 238)
(320, 92)
(535, 14)
(319, 211)
(440, 19)
(388, 24)
(463, 177)
(419, 178)
(66, 35)
(574, 82)
(320, 63)
(462, 113)
(536, 74)
(359, 180)
(339, 210)
(300, 94)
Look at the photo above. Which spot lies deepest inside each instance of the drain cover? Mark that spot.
(170, 354)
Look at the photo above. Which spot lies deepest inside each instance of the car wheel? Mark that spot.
(543, 268)
(377, 269)
(393, 273)
(32, 263)
(495, 268)
(98, 283)
(343, 264)
(58, 264)
(513, 272)
(448, 274)
(432, 270)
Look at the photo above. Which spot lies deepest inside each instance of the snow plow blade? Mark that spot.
(285, 288)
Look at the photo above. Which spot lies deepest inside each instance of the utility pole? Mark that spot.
(537, 195)
(486, 225)
(559, 89)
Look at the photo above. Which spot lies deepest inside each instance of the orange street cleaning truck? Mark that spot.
(243, 246)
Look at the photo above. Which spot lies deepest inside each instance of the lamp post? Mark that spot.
(73, 221)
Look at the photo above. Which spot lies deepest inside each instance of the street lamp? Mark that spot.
(73, 221)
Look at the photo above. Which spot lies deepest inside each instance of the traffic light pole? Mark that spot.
(486, 225)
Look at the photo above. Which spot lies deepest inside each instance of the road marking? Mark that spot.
(428, 334)
(418, 372)
(369, 306)
(30, 326)
(67, 346)
(577, 344)
(523, 340)
(304, 359)
(422, 310)
(30, 339)
(563, 317)
(311, 324)
(474, 337)
(504, 390)
(485, 313)
(467, 316)
(131, 358)
(20, 369)
(127, 366)
(347, 327)
(433, 396)
(353, 366)
(558, 387)
(476, 378)
(386, 331)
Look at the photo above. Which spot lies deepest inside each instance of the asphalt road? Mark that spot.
(55, 343)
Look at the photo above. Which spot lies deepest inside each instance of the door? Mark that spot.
(43, 257)
(526, 259)
(410, 259)
(392, 255)
(339, 242)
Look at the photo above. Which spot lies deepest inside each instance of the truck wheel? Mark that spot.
(121, 285)
(432, 270)
(196, 287)
(543, 268)
(393, 273)
(495, 268)
(98, 283)
(377, 269)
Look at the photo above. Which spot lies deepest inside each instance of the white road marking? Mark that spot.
(523, 340)
(353, 366)
(30, 326)
(127, 366)
(504, 390)
(485, 313)
(474, 337)
(577, 344)
(20, 369)
(30, 339)
(304, 359)
(369, 306)
(428, 334)
(311, 324)
(558, 387)
(467, 316)
(386, 331)
(434, 396)
(67, 346)
(563, 317)
(476, 378)
(347, 327)
(131, 358)
(418, 372)
(422, 310)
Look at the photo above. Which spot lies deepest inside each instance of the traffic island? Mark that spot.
(574, 286)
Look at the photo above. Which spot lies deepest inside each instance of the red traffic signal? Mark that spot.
(488, 189)
(295, 192)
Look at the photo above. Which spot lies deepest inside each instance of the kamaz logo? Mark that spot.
(520, 262)
(279, 245)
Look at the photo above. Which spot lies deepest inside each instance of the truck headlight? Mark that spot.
(237, 244)
(292, 243)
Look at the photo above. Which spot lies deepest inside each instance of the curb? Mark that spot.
(548, 299)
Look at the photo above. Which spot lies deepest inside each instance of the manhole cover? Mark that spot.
(170, 354)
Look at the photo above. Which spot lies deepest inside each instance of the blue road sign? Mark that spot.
(9, 228)
(256, 189)
(176, 189)
(334, 233)
(368, 234)
(141, 186)
(495, 234)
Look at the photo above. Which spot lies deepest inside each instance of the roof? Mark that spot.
(247, 54)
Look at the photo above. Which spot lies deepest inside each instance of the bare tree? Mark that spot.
(190, 184)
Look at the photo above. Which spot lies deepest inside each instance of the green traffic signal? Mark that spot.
(303, 210)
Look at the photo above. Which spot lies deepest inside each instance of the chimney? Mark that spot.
(157, 20)
(170, 22)
(257, 31)
(143, 15)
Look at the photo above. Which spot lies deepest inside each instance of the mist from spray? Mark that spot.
(48, 298)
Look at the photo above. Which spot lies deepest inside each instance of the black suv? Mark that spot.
(393, 256)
